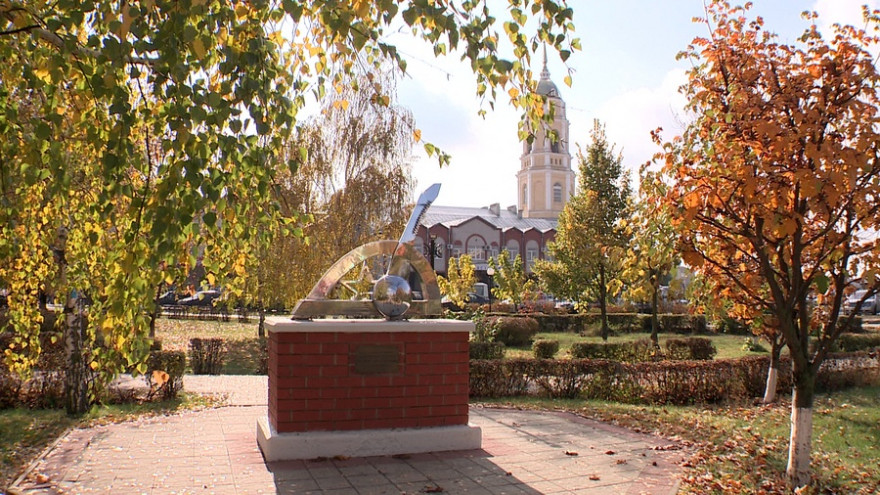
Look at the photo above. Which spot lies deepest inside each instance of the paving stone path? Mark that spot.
(214, 451)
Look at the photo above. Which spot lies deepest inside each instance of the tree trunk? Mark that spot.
(773, 372)
(76, 393)
(602, 303)
(261, 328)
(655, 323)
(155, 313)
(798, 470)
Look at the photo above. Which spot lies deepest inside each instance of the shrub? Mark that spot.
(515, 332)
(172, 364)
(206, 356)
(696, 348)
(752, 344)
(630, 352)
(263, 363)
(675, 323)
(732, 326)
(850, 342)
(485, 328)
(662, 382)
(545, 349)
(486, 350)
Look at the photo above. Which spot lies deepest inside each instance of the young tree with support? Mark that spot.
(775, 183)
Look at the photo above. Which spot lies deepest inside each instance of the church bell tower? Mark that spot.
(545, 178)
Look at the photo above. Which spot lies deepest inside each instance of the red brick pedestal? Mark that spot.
(359, 388)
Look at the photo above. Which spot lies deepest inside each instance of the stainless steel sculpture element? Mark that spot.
(379, 285)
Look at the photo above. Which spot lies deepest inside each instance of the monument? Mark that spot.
(382, 384)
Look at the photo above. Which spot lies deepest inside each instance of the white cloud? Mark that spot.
(630, 117)
(842, 12)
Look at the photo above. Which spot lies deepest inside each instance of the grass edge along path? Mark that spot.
(743, 448)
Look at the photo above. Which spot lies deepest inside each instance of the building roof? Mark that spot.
(453, 216)
(546, 87)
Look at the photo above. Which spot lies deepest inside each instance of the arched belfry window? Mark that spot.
(557, 193)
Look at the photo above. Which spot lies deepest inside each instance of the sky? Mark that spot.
(626, 76)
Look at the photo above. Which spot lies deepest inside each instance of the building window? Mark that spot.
(557, 193)
(531, 254)
(476, 248)
(525, 195)
(512, 251)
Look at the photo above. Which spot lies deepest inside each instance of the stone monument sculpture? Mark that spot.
(390, 295)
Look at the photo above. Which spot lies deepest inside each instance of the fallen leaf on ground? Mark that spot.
(594, 477)
(621, 461)
(568, 452)
(610, 452)
(433, 489)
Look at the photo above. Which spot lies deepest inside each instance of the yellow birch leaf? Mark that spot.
(198, 48)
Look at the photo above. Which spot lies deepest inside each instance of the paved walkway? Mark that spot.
(215, 452)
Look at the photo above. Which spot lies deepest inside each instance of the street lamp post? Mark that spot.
(433, 250)
(490, 272)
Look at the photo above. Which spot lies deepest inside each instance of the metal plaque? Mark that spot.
(376, 359)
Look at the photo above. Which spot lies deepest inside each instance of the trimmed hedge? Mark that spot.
(515, 331)
(851, 342)
(696, 348)
(545, 349)
(628, 352)
(621, 323)
(663, 382)
(643, 350)
(171, 362)
(206, 356)
(486, 350)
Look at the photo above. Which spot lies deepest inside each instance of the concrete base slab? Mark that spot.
(364, 443)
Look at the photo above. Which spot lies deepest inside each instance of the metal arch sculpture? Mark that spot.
(394, 298)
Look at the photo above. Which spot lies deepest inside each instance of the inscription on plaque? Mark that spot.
(376, 359)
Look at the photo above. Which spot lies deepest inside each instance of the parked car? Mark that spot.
(477, 298)
(869, 306)
(200, 298)
(565, 305)
(168, 298)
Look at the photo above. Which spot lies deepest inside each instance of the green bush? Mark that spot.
(752, 344)
(486, 350)
(696, 348)
(850, 342)
(732, 326)
(686, 324)
(545, 349)
(206, 356)
(661, 382)
(629, 352)
(515, 332)
(171, 362)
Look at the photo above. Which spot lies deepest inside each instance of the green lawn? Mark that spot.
(243, 345)
(729, 346)
(742, 449)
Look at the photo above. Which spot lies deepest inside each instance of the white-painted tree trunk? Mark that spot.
(770, 390)
(799, 449)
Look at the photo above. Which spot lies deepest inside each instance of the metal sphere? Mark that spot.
(392, 296)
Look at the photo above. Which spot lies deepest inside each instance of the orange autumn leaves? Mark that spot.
(778, 169)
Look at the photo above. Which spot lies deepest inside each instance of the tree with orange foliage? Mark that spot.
(776, 181)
